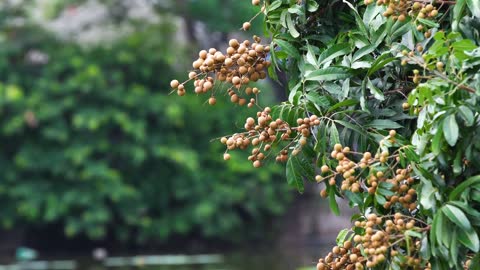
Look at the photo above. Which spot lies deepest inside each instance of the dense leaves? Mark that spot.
(91, 140)
(394, 87)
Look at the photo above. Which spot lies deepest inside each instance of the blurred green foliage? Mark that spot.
(90, 139)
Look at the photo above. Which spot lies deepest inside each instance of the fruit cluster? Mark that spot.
(241, 63)
(364, 175)
(264, 131)
(381, 237)
(342, 257)
(400, 9)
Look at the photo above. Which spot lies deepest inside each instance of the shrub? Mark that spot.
(92, 141)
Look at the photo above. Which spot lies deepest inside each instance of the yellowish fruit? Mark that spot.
(174, 83)
(212, 101)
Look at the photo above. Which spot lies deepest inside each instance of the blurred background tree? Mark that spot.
(93, 144)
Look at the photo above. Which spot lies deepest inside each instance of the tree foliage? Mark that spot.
(382, 110)
(92, 142)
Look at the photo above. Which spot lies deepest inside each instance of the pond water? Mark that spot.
(287, 258)
(307, 232)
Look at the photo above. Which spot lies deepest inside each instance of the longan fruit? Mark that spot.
(174, 83)
(246, 26)
(259, 48)
(203, 54)
(440, 65)
(212, 101)
(226, 156)
(233, 43)
(255, 2)
(257, 164)
(337, 147)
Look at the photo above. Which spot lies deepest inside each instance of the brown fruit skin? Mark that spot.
(174, 84)
(226, 156)
(257, 164)
(212, 101)
(255, 2)
(246, 26)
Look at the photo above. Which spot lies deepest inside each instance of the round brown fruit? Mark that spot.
(212, 101)
(174, 83)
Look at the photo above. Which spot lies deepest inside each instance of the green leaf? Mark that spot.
(310, 56)
(474, 180)
(342, 236)
(355, 198)
(357, 128)
(413, 234)
(274, 5)
(469, 238)
(384, 192)
(346, 87)
(380, 199)
(332, 201)
(425, 248)
(399, 29)
(334, 52)
(456, 216)
(429, 23)
(294, 179)
(345, 103)
(474, 6)
(321, 145)
(467, 115)
(454, 247)
(363, 51)
(318, 100)
(288, 48)
(371, 12)
(475, 262)
(334, 136)
(375, 91)
(464, 45)
(312, 5)
(380, 62)
(328, 74)
(291, 26)
(383, 124)
(358, 19)
(437, 143)
(450, 130)
(458, 10)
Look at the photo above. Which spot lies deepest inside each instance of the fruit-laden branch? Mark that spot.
(446, 2)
